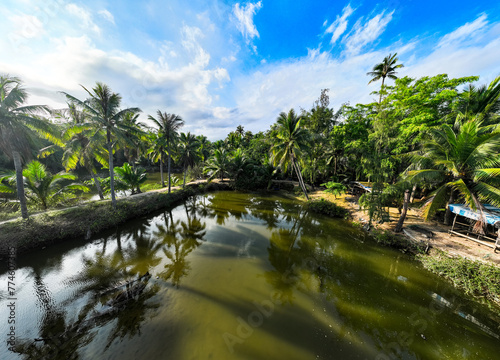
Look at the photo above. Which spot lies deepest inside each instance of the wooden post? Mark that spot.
(454, 220)
(497, 243)
(399, 226)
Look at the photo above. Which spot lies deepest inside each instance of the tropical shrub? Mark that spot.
(328, 208)
(43, 188)
(335, 188)
(130, 178)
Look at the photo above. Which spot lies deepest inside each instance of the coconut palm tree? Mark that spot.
(466, 166)
(188, 152)
(483, 100)
(204, 147)
(16, 123)
(103, 107)
(168, 127)
(387, 68)
(41, 186)
(290, 141)
(134, 141)
(81, 143)
(218, 164)
(157, 146)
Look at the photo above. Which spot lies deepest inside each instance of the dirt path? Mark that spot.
(442, 240)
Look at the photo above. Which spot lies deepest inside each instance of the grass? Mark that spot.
(475, 278)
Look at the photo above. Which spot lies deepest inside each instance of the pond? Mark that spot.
(230, 275)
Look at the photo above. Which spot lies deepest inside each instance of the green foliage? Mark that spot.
(464, 160)
(43, 188)
(374, 203)
(474, 277)
(328, 208)
(130, 178)
(335, 188)
(218, 164)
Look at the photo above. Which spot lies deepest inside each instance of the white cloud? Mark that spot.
(339, 26)
(107, 16)
(194, 70)
(365, 33)
(27, 26)
(476, 54)
(465, 32)
(84, 15)
(244, 16)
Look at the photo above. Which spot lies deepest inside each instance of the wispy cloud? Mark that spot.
(83, 15)
(366, 32)
(339, 26)
(465, 32)
(107, 16)
(244, 16)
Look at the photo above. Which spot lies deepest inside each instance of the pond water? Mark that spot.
(237, 276)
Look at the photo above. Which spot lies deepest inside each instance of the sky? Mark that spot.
(219, 63)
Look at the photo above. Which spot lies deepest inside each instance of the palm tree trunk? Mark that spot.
(161, 170)
(381, 87)
(413, 190)
(97, 183)
(299, 176)
(399, 226)
(111, 172)
(168, 168)
(185, 172)
(20, 184)
(447, 214)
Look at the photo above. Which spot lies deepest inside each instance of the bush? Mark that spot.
(328, 208)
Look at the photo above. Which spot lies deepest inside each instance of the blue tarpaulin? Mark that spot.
(492, 213)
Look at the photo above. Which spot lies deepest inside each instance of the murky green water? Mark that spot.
(238, 276)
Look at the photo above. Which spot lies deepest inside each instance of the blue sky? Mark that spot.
(220, 64)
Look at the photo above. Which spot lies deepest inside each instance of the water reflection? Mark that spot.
(179, 239)
(178, 281)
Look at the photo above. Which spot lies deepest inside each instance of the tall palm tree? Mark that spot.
(103, 107)
(16, 123)
(290, 141)
(387, 68)
(81, 143)
(168, 127)
(157, 148)
(466, 166)
(188, 151)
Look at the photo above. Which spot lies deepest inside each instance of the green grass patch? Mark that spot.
(476, 278)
